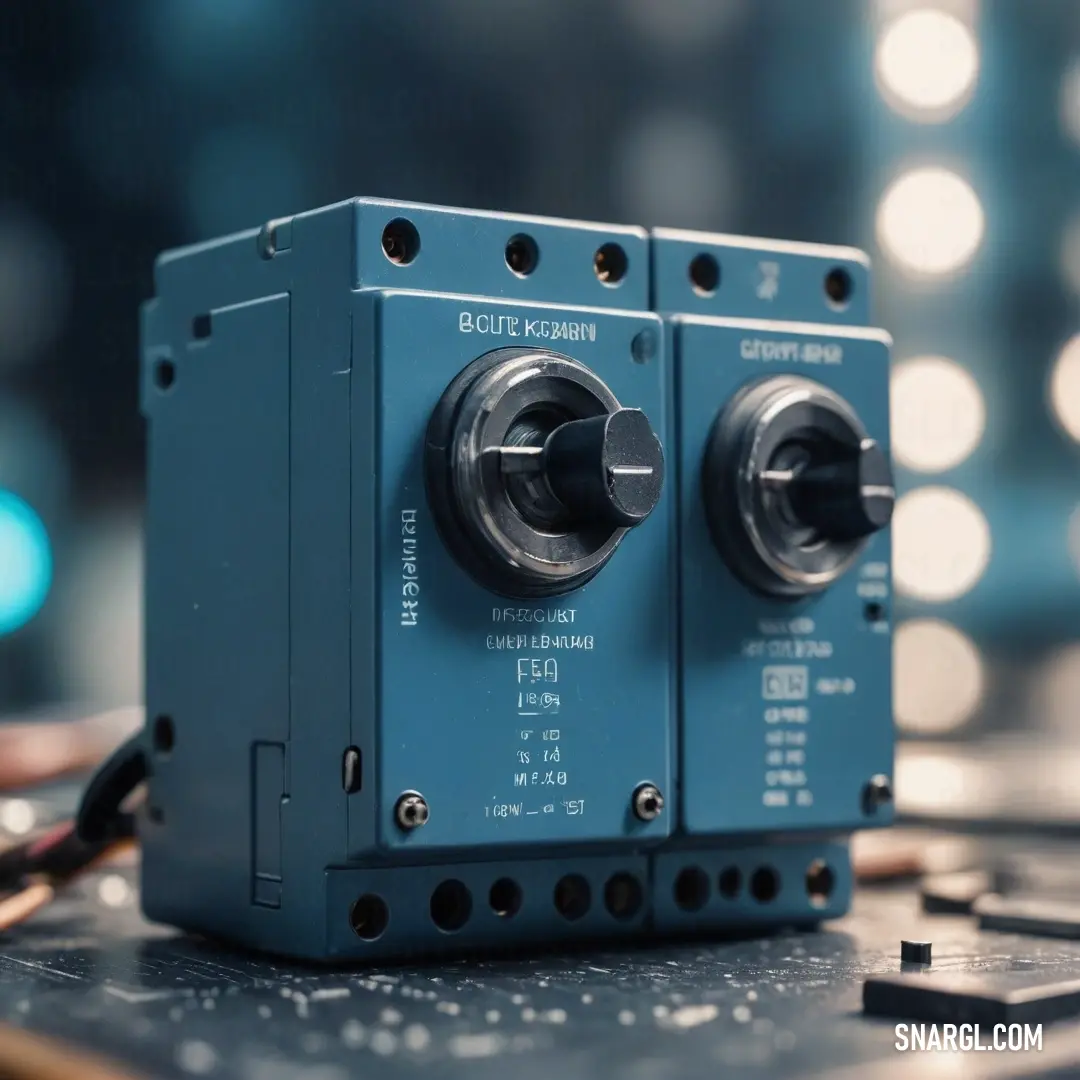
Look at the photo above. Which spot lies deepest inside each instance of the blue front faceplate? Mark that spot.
(786, 705)
(519, 721)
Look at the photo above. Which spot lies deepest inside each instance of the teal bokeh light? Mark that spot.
(25, 562)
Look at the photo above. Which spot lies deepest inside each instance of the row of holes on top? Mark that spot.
(401, 245)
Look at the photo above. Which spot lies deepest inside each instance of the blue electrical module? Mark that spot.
(509, 581)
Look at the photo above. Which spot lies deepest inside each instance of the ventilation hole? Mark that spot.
(730, 882)
(704, 274)
(820, 882)
(369, 916)
(505, 898)
(401, 241)
(573, 897)
(200, 327)
(764, 884)
(610, 264)
(451, 905)
(522, 254)
(874, 612)
(164, 735)
(839, 287)
(623, 896)
(691, 888)
(164, 374)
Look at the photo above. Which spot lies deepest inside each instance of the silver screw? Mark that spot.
(647, 802)
(877, 793)
(411, 811)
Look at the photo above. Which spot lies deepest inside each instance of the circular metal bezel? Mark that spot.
(474, 511)
(748, 520)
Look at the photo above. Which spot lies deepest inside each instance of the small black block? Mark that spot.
(915, 952)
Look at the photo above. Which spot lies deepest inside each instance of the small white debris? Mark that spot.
(626, 1018)
(742, 1014)
(384, 1042)
(451, 1008)
(113, 891)
(476, 1046)
(196, 1056)
(416, 1037)
(353, 1034)
(690, 1016)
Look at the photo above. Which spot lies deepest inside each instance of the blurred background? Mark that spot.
(944, 137)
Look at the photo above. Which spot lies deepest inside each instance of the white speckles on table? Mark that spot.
(196, 1056)
(383, 1041)
(476, 1046)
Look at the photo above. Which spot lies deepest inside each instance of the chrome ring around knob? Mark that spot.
(535, 472)
(793, 486)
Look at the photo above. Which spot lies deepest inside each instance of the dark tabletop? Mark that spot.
(92, 972)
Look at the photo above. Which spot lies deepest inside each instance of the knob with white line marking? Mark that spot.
(793, 486)
(535, 472)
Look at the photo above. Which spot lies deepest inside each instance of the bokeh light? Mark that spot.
(1065, 388)
(938, 414)
(17, 816)
(927, 63)
(928, 782)
(941, 544)
(930, 221)
(938, 676)
(25, 562)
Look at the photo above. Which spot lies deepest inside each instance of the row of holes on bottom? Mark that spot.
(693, 885)
(451, 901)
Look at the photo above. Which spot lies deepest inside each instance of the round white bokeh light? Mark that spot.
(938, 679)
(941, 544)
(927, 63)
(1065, 388)
(930, 221)
(938, 414)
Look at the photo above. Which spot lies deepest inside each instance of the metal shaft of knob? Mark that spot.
(846, 496)
(604, 469)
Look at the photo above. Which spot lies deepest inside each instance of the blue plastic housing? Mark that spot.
(302, 612)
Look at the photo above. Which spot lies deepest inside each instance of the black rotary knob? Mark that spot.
(535, 472)
(606, 470)
(845, 492)
(793, 486)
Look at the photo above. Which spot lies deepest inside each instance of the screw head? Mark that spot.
(411, 811)
(647, 802)
(878, 792)
(645, 346)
